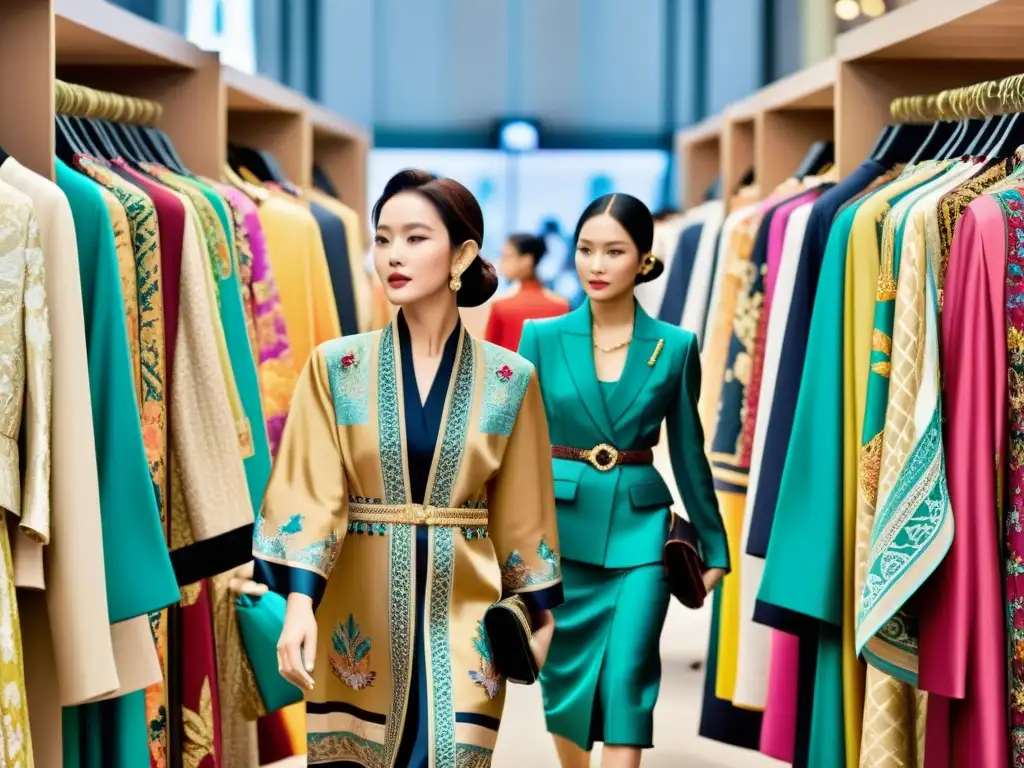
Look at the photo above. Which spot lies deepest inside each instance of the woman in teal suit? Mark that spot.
(610, 375)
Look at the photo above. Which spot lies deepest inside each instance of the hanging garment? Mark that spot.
(528, 300)
(335, 244)
(25, 386)
(754, 640)
(303, 278)
(69, 654)
(664, 244)
(698, 292)
(677, 279)
(356, 240)
(962, 636)
(374, 700)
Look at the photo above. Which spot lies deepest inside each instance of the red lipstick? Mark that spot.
(398, 280)
(598, 285)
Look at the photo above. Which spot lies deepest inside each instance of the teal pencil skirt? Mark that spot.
(603, 672)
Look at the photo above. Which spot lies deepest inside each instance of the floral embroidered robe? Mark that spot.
(404, 521)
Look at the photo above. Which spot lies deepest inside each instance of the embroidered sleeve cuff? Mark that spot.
(285, 579)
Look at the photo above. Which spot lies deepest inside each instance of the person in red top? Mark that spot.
(528, 300)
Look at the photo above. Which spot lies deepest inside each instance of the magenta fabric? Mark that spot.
(778, 729)
(275, 364)
(777, 237)
(962, 634)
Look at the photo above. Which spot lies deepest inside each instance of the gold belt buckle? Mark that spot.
(602, 457)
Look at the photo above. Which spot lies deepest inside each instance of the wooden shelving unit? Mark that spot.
(264, 115)
(205, 104)
(792, 114)
(920, 48)
(738, 124)
(699, 150)
(104, 46)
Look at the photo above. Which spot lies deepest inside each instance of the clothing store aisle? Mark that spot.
(524, 742)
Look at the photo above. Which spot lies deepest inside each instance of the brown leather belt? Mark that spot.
(603, 457)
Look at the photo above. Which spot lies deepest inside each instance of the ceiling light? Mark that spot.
(873, 8)
(847, 10)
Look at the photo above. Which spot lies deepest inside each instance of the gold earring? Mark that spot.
(648, 264)
(456, 282)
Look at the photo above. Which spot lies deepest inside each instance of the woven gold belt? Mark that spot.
(417, 514)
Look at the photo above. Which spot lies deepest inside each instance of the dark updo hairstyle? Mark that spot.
(463, 219)
(529, 245)
(635, 218)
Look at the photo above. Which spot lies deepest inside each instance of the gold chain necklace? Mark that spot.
(614, 347)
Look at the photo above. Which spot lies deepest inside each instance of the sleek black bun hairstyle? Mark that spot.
(635, 218)
(529, 245)
(463, 219)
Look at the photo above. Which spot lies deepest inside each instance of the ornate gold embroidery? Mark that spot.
(870, 464)
(190, 594)
(882, 369)
(198, 726)
(881, 343)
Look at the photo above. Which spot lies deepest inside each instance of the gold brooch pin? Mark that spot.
(657, 351)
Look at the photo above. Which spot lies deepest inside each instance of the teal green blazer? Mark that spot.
(620, 518)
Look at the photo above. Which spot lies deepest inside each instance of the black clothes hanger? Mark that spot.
(934, 141)
(93, 130)
(821, 155)
(239, 157)
(175, 162)
(883, 137)
(903, 141)
(748, 178)
(272, 165)
(323, 182)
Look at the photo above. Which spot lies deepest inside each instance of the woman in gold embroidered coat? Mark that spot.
(411, 491)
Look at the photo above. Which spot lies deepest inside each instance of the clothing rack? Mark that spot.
(203, 104)
(924, 47)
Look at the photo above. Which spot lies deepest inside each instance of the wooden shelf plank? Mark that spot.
(99, 33)
(703, 132)
(255, 93)
(939, 29)
(328, 125)
(811, 88)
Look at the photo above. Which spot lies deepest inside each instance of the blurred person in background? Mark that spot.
(528, 299)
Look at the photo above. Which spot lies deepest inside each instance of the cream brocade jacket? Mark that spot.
(25, 381)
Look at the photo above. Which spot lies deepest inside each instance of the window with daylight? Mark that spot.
(225, 26)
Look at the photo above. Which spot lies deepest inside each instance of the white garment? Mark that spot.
(698, 293)
(754, 645)
(666, 237)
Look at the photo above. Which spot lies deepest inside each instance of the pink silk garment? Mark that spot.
(962, 639)
(778, 729)
(277, 371)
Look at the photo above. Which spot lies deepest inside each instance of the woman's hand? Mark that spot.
(298, 642)
(540, 644)
(241, 582)
(711, 578)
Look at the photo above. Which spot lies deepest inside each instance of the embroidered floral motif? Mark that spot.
(1013, 522)
(516, 573)
(486, 676)
(320, 555)
(293, 526)
(469, 756)
(400, 565)
(198, 743)
(350, 659)
(504, 391)
(349, 380)
(342, 746)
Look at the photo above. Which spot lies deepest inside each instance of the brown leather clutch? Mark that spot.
(684, 567)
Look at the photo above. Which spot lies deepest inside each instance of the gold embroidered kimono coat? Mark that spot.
(405, 535)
